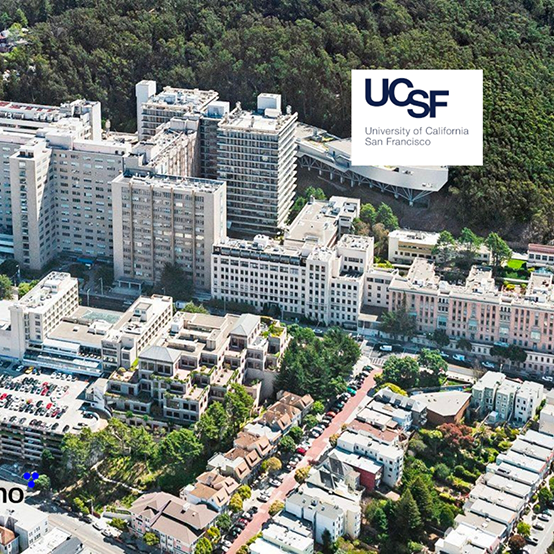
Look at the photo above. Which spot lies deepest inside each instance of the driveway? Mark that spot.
(318, 446)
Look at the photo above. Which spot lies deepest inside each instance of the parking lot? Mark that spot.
(53, 401)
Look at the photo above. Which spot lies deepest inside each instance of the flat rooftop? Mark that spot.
(447, 403)
(193, 100)
(168, 182)
(47, 291)
(243, 120)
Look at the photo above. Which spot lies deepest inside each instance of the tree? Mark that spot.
(469, 244)
(500, 251)
(457, 436)
(441, 338)
(442, 472)
(301, 474)
(193, 308)
(296, 434)
(394, 388)
(25, 287)
(238, 405)
(6, 288)
(445, 247)
(403, 372)
(524, 529)
(119, 523)
(180, 447)
(446, 516)
(407, 521)
(42, 483)
(141, 443)
(224, 522)
(379, 521)
(175, 282)
(213, 426)
(368, 214)
(273, 465)
(245, 492)
(318, 408)
(435, 365)
(151, 539)
(276, 507)
(213, 534)
(422, 496)
(287, 444)
(328, 546)
(399, 321)
(464, 344)
(310, 421)
(235, 504)
(545, 497)
(516, 543)
(203, 546)
(386, 216)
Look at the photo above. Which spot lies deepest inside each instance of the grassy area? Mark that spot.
(515, 269)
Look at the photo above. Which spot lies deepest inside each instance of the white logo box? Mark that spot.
(418, 124)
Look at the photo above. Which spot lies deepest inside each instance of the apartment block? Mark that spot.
(195, 360)
(27, 522)
(257, 159)
(481, 312)
(159, 220)
(390, 457)
(276, 539)
(504, 399)
(308, 275)
(178, 524)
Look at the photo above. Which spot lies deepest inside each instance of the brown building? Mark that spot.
(445, 406)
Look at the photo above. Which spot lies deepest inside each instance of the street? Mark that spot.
(318, 446)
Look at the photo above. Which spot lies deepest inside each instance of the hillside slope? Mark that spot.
(305, 49)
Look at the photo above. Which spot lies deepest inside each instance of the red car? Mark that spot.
(301, 450)
(331, 414)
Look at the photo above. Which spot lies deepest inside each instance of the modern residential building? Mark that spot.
(257, 159)
(324, 515)
(504, 399)
(413, 405)
(28, 523)
(445, 406)
(276, 539)
(193, 359)
(159, 220)
(390, 457)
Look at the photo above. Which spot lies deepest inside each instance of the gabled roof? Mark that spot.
(245, 325)
(6, 536)
(161, 354)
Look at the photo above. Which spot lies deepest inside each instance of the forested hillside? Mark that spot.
(305, 49)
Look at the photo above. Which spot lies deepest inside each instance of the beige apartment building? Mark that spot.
(161, 219)
(195, 361)
(317, 272)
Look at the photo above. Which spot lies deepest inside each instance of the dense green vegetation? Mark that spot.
(318, 367)
(305, 49)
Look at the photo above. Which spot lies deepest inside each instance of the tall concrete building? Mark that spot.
(154, 109)
(160, 219)
(257, 158)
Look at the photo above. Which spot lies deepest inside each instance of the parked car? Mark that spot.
(301, 450)
(488, 365)
(385, 348)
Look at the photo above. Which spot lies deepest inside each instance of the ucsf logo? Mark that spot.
(389, 92)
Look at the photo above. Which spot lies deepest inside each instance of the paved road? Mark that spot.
(90, 537)
(318, 446)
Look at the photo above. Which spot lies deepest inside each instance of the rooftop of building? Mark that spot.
(47, 291)
(192, 100)
(50, 542)
(318, 221)
(507, 485)
(266, 119)
(541, 248)
(170, 182)
(445, 403)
